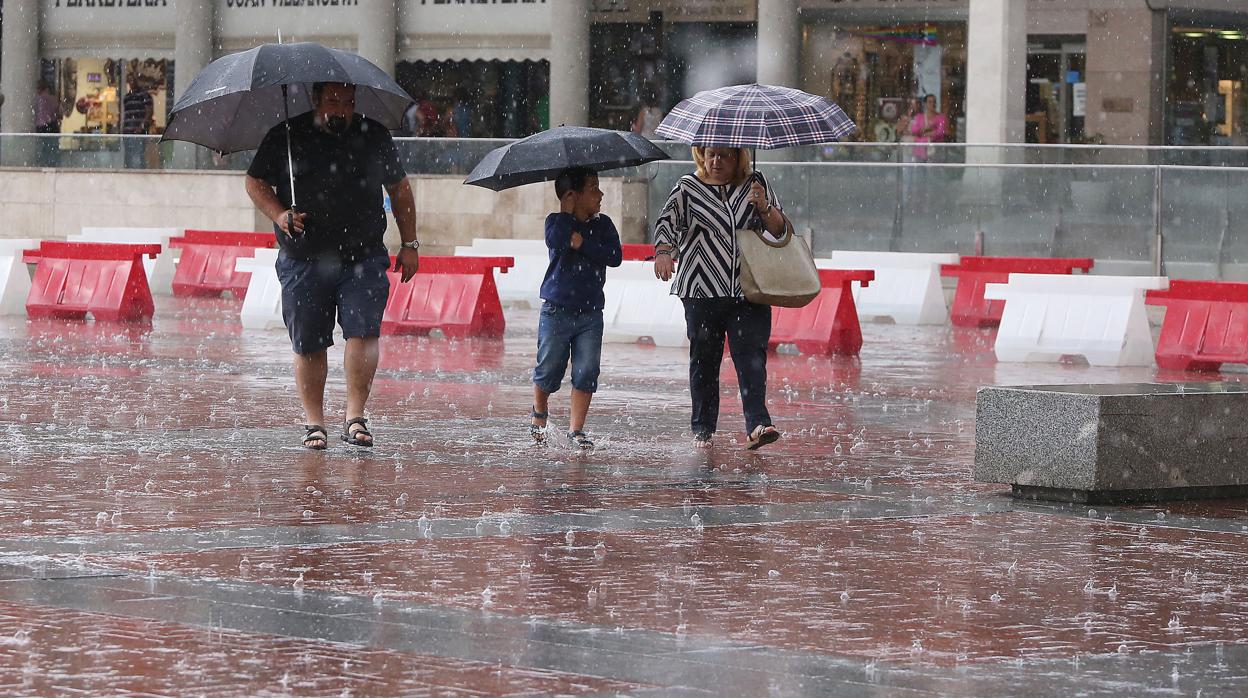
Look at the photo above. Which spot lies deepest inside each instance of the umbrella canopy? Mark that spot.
(544, 155)
(234, 101)
(756, 116)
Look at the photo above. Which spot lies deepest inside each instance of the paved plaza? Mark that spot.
(162, 533)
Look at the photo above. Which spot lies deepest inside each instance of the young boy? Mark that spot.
(582, 243)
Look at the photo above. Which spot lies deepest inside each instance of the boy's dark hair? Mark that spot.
(572, 179)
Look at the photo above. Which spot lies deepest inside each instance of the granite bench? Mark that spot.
(1114, 443)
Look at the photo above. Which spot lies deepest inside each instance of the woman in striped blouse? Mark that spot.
(695, 240)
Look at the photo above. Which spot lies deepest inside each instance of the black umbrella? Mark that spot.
(234, 101)
(544, 155)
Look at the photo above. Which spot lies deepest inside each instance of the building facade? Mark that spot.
(1114, 71)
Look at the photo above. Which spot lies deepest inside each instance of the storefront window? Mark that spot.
(476, 99)
(1056, 89)
(640, 70)
(91, 94)
(626, 71)
(1207, 101)
(873, 72)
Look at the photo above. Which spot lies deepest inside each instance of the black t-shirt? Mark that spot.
(338, 183)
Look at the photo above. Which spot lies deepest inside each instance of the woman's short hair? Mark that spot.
(744, 166)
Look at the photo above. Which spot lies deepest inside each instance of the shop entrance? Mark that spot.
(1056, 89)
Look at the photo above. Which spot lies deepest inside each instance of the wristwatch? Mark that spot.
(411, 245)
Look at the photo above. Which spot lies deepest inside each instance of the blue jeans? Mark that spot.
(564, 333)
(748, 328)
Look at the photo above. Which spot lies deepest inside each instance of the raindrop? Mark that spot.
(487, 596)
(844, 596)
(1174, 626)
(774, 574)
(298, 584)
(995, 598)
(569, 536)
(307, 513)
(697, 522)
(592, 598)
(101, 518)
(600, 551)
(504, 527)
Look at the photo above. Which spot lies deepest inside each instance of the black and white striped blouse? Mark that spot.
(699, 221)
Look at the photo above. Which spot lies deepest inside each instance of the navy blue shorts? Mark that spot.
(315, 291)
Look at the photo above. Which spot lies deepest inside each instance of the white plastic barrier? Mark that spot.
(1102, 318)
(906, 286)
(523, 282)
(14, 279)
(262, 307)
(639, 305)
(159, 270)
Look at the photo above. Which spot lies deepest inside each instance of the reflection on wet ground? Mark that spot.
(161, 528)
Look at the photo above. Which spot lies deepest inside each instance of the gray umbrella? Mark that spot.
(234, 101)
(544, 155)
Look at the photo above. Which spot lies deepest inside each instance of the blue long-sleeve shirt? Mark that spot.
(574, 278)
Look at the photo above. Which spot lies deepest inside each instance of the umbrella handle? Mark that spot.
(290, 221)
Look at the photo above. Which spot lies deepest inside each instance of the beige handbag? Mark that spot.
(777, 273)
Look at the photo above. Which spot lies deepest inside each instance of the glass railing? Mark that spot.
(1135, 209)
(455, 156)
(1108, 212)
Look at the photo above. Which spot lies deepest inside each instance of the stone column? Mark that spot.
(379, 29)
(996, 83)
(19, 70)
(779, 43)
(569, 63)
(194, 40)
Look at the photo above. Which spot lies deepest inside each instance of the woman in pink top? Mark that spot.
(929, 127)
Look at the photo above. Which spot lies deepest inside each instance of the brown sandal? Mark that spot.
(762, 435)
(310, 436)
(353, 437)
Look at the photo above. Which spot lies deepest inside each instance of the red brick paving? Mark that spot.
(908, 581)
(52, 651)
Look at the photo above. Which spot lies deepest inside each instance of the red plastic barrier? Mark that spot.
(1206, 325)
(829, 323)
(971, 309)
(207, 264)
(636, 252)
(76, 278)
(456, 295)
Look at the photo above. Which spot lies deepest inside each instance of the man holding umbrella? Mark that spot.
(333, 261)
(335, 155)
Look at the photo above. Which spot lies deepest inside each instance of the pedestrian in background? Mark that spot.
(136, 119)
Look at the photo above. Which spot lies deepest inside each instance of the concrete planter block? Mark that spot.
(1106, 443)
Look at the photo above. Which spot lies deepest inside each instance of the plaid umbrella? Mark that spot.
(756, 116)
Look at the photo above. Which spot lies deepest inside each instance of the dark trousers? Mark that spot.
(748, 327)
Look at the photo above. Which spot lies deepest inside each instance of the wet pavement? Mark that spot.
(163, 533)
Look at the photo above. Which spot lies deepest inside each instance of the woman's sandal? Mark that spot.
(538, 432)
(579, 439)
(353, 437)
(762, 435)
(314, 433)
